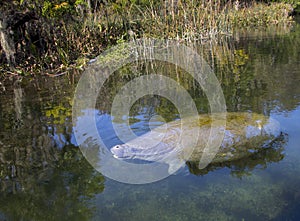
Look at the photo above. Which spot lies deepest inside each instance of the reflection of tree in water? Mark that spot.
(41, 182)
(254, 75)
(59, 192)
(270, 80)
(40, 179)
(243, 167)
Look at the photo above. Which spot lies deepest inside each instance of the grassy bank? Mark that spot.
(56, 36)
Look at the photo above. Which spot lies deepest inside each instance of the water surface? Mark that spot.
(44, 176)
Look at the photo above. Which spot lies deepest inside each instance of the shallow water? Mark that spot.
(44, 176)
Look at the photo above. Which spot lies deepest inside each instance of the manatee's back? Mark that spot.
(245, 133)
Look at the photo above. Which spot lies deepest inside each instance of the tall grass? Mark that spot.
(69, 43)
(260, 14)
(188, 21)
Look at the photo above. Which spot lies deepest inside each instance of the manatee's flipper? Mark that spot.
(174, 165)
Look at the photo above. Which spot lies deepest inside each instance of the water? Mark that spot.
(43, 175)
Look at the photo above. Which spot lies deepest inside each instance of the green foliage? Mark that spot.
(57, 10)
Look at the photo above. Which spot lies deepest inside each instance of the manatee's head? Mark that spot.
(123, 151)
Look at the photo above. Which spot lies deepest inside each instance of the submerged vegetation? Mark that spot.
(56, 36)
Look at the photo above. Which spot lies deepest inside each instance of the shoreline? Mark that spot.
(65, 45)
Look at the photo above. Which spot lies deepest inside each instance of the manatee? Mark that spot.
(244, 134)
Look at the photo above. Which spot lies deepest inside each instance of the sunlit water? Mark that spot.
(43, 175)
